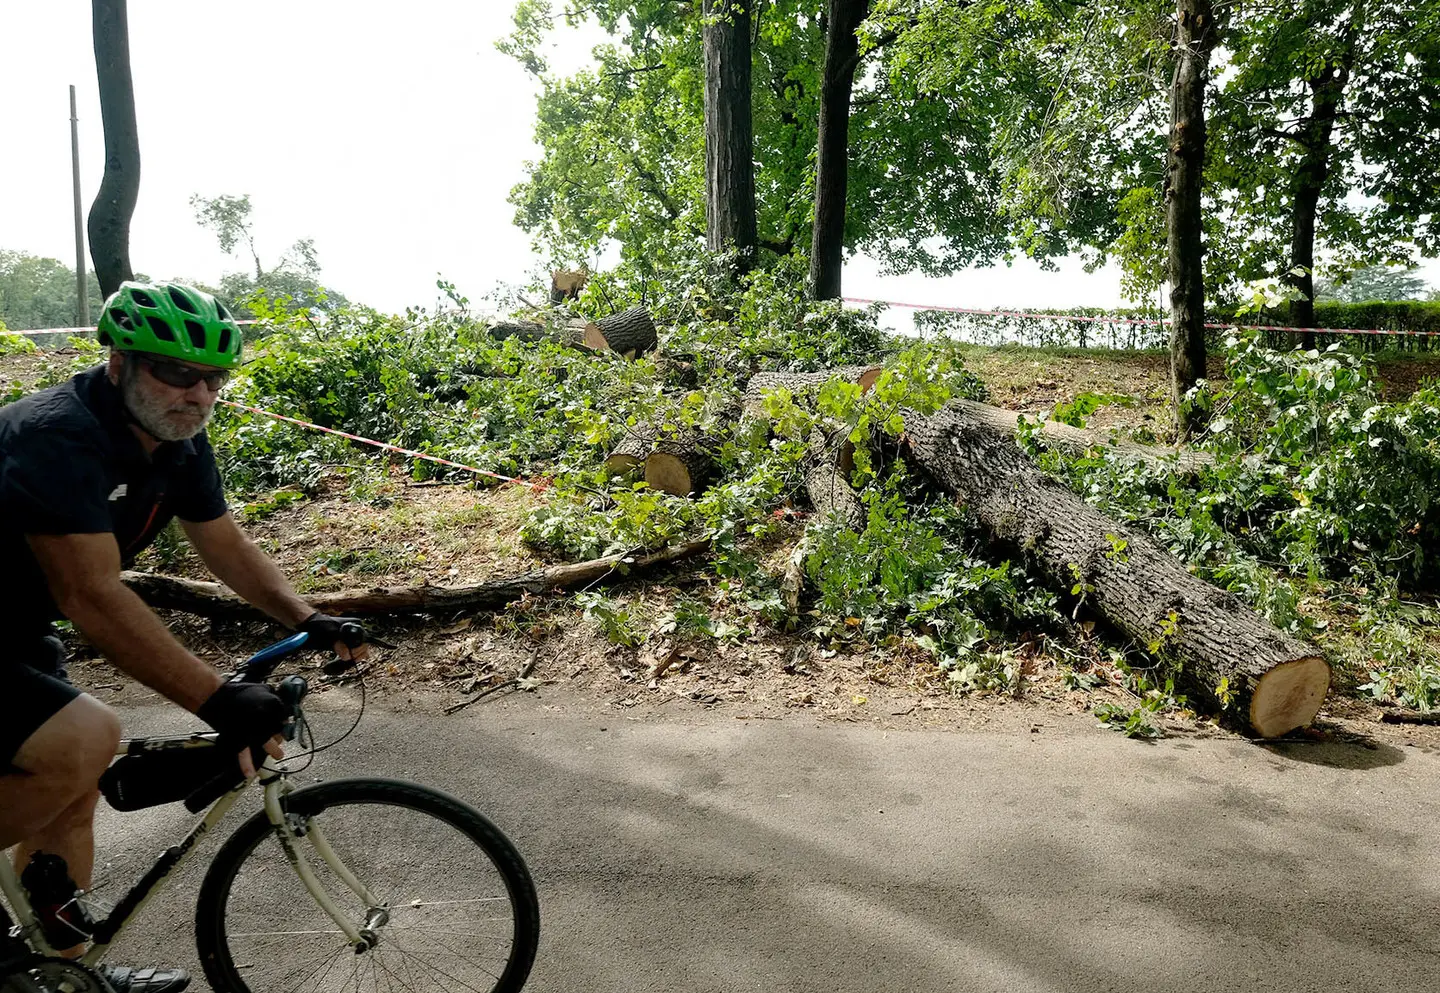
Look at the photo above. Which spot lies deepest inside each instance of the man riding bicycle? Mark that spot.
(90, 472)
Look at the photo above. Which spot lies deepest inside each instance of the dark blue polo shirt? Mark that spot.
(69, 464)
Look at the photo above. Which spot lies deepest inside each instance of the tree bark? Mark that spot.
(109, 221)
(729, 137)
(1078, 440)
(630, 332)
(577, 333)
(629, 455)
(832, 154)
(1327, 90)
(803, 383)
(214, 600)
(827, 480)
(1226, 652)
(1195, 38)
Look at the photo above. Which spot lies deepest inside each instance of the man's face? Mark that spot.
(155, 391)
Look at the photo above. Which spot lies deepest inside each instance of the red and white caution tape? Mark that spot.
(371, 441)
(1128, 320)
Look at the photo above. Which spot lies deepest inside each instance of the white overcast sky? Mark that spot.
(390, 134)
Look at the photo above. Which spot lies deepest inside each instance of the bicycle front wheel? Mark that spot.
(454, 907)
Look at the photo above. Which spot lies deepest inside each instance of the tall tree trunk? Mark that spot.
(729, 140)
(1327, 88)
(842, 55)
(109, 222)
(1195, 37)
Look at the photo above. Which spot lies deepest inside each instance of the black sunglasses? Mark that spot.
(182, 377)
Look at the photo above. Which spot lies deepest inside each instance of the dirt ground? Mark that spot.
(402, 534)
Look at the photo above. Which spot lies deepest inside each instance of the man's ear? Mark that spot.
(115, 365)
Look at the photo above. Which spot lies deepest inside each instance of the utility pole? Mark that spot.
(82, 285)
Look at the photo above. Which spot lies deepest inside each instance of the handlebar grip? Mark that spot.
(353, 634)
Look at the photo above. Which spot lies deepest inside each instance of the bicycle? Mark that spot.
(452, 918)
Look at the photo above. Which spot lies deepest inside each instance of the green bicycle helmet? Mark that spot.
(170, 319)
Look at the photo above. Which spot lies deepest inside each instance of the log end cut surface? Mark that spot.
(668, 473)
(1289, 696)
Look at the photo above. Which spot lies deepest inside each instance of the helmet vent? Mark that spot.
(162, 329)
(220, 309)
(224, 346)
(143, 299)
(121, 318)
(197, 334)
(182, 301)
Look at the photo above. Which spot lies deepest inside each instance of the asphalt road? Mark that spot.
(733, 855)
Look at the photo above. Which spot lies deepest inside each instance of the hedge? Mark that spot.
(1061, 329)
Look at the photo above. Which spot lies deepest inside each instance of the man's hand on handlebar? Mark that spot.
(346, 634)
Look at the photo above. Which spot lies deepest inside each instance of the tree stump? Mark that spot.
(1269, 680)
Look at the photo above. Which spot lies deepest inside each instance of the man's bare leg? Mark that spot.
(48, 804)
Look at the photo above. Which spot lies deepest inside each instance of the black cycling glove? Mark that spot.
(327, 630)
(245, 713)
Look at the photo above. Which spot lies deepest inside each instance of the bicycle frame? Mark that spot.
(272, 778)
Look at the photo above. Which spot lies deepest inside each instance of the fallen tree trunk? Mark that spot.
(214, 600)
(801, 384)
(1076, 440)
(1270, 680)
(574, 333)
(630, 333)
(678, 466)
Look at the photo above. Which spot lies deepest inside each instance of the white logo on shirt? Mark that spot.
(117, 493)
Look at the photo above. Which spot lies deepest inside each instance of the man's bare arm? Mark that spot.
(240, 565)
(83, 572)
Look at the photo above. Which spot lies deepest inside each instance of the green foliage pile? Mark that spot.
(1321, 493)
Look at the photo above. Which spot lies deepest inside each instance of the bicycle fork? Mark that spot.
(289, 828)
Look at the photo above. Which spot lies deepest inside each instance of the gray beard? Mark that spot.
(160, 421)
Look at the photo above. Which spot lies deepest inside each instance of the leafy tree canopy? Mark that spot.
(295, 277)
(1373, 283)
(37, 292)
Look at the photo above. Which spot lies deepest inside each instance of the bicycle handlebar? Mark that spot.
(258, 667)
(292, 689)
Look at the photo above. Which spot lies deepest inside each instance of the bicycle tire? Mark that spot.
(214, 908)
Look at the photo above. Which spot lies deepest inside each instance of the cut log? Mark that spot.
(802, 384)
(1077, 440)
(214, 600)
(1227, 653)
(678, 466)
(630, 333)
(628, 457)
